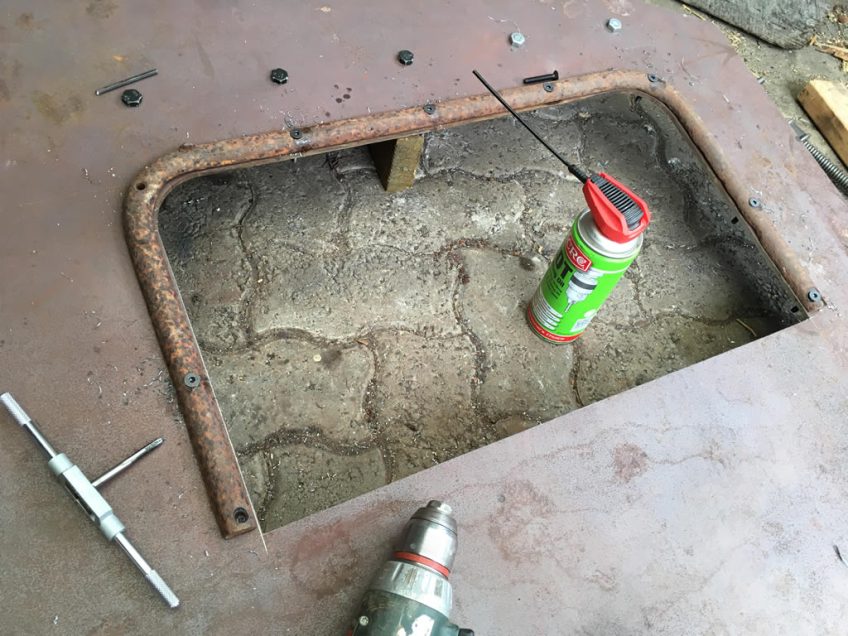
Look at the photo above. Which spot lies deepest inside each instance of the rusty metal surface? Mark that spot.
(79, 349)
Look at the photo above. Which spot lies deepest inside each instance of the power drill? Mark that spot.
(411, 594)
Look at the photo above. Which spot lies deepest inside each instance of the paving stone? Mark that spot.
(435, 212)
(500, 147)
(700, 283)
(351, 159)
(348, 294)
(306, 480)
(613, 360)
(524, 375)
(254, 469)
(298, 203)
(198, 225)
(200, 208)
(422, 399)
(286, 386)
(553, 202)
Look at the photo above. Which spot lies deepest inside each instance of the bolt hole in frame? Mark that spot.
(199, 406)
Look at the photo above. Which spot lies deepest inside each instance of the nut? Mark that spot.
(614, 25)
(517, 39)
(279, 76)
(131, 97)
(405, 57)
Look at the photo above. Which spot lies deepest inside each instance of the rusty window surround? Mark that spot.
(199, 407)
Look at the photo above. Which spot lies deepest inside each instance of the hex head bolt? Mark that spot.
(131, 98)
(279, 76)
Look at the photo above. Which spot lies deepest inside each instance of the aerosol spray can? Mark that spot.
(602, 243)
(411, 594)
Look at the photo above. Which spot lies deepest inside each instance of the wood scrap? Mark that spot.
(827, 105)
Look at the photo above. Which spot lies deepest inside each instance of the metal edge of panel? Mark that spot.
(200, 409)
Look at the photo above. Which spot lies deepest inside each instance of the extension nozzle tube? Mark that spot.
(411, 593)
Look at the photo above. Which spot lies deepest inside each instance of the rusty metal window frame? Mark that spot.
(210, 439)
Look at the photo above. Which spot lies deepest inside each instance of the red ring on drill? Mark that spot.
(417, 558)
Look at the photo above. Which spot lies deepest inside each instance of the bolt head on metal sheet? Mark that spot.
(191, 380)
(131, 97)
(279, 76)
(754, 202)
(405, 57)
(614, 25)
(814, 295)
(517, 39)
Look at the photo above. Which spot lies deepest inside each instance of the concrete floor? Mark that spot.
(356, 337)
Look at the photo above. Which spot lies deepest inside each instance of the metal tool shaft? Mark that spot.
(129, 461)
(126, 82)
(149, 573)
(25, 421)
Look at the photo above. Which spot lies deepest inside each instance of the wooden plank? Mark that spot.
(786, 23)
(396, 161)
(827, 105)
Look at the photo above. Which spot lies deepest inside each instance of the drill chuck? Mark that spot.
(411, 594)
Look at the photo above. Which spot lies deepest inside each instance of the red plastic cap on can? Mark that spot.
(610, 220)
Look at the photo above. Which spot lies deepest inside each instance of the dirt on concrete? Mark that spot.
(355, 337)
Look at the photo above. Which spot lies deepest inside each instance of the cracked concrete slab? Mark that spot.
(699, 282)
(416, 404)
(254, 469)
(436, 212)
(614, 359)
(285, 387)
(500, 148)
(305, 479)
(200, 231)
(522, 375)
(298, 204)
(349, 294)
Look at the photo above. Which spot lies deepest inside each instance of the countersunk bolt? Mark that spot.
(652, 78)
(754, 202)
(614, 25)
(549, 88)
(296, 133)
(405, 57)
(429, 108)
(131, 97)
(191, 380)
(517, 38)
(240, 515)
(814, 295)
(279, 76)
(363, 620)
